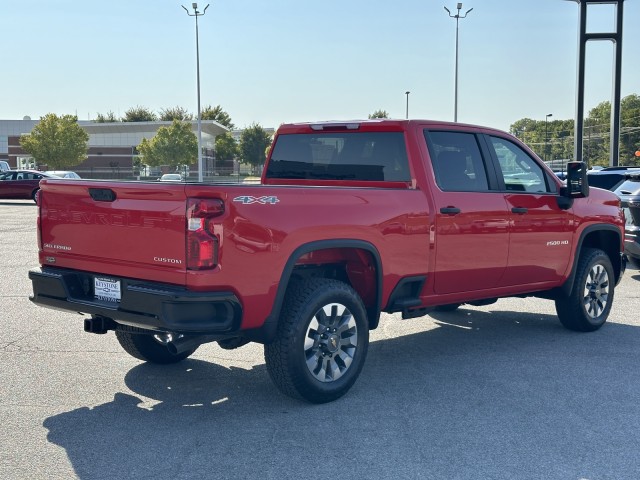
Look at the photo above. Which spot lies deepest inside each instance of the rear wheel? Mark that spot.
(150, 347)
(589, 304)
(322, 341)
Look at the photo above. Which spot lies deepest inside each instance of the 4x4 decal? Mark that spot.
(248, 200)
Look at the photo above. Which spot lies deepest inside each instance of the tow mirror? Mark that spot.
(577, 183)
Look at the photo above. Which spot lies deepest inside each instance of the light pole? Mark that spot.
(407, 94)
(546, 136)
(197, 14)
(457, 16)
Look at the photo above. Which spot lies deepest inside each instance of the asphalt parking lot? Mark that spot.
(496, 392)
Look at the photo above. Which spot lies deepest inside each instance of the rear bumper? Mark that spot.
(146, 305)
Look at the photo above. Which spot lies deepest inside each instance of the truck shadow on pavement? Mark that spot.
(473, 394)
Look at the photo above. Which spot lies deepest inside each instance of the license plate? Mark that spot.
(106, 289)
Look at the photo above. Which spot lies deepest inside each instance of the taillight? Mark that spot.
(202, 243)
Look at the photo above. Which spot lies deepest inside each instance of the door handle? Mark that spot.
(450, 210)
(519, 210)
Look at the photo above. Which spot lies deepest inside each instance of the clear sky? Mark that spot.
(301, 60)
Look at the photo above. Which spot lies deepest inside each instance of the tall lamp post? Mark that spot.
(197, 14)
(457, 16)
(546, 136)
(407, 94)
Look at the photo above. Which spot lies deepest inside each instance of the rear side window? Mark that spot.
(457, 161)
(365, 156)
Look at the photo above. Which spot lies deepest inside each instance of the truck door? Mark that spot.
(541, 237)
(472, 224)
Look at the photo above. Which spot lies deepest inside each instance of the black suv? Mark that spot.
(610, 177)
(629, 193)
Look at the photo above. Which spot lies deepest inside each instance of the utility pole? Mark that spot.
(546, 136)
(457, 16)
(197, 14)
(407, 94)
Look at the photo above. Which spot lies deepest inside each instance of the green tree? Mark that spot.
(108, 118)
(629, 131)
(379, 114)
(596, 134)
(139, 114)
(253, 143)
(174, 146)
(217, 114)
(175, 113)
(226, 147)
(528, 131)
(58, 142)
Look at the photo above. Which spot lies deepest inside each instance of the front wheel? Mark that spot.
(589, 304)
(150, 347)
(322, 341)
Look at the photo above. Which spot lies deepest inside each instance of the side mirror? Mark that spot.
(577, 183)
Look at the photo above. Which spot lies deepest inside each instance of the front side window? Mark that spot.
(521, 173)
(457, 161)
(364, 156)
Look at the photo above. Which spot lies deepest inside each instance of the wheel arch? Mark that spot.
(346, 247)
(604, 237)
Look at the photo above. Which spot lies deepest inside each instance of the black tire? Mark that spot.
(322, 341)
(450, 307)
(34, 194)
(150, 348)
(589, 304)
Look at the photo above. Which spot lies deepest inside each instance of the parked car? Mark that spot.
(19, 184)
(609, 178)
(4, 166)
(171, 177)
(349, 219)
(64, 174)
(629, 193)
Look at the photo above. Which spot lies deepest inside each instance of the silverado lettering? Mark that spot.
(110, 219)
(406, 216)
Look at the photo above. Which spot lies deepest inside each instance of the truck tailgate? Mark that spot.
(114, 228)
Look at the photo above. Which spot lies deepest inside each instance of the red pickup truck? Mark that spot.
(350, 220)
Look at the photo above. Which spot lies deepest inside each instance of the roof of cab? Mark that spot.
(376, 124)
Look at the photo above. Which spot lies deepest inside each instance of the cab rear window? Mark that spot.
(357, 156)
